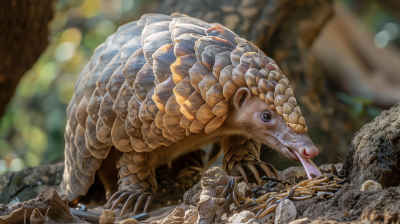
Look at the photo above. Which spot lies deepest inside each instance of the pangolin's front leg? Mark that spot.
(242, 156)
(137, 181)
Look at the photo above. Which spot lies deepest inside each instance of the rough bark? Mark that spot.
(24, 37)
(29, 182)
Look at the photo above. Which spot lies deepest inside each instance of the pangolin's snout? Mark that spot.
(308, 152)
(301, 144)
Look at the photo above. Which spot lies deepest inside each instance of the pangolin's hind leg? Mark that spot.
(137, 181)
(242, 157)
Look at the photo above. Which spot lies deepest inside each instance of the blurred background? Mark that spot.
(347, 72)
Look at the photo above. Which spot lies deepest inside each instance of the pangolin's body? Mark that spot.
(160, 87)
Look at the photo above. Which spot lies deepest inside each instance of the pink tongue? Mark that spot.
(309, 166)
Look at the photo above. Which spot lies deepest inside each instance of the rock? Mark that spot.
(175, 217)
(191, 215)
(232, 207)
(224, 218)
(37, 217)
(213, 183)
(242, 217)
(178, 211)
(252, 185)
(192, 196)
(48, 203)
(242, 187)
(397, 189)
(370, 185)
(373, 153)
(286, 212)
(384, 209)
(129, 221)
(29, 182)
(107, 217)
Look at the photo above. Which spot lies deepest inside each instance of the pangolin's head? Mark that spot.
(264, 108)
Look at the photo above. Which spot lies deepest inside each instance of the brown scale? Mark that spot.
(216, 42)
(209, 55)
(78, 92)
(120, 138)
(180, 68)
(94, 106)
(107, 73)
(164, 57)
(187, 28)
(189, 20)
(197, 72)
(121, 102)
(103, 133)
(222, 32)
(90, 83)
(144, 81)
(191, 105)
(183, 90)
(81, 113)
(184, 44)
(156, 82)
(134, 64)
(172, 108)
(154, 28)
(154, 42)
(114, 85)
(106, 113)
(206, 83)
(221, 61)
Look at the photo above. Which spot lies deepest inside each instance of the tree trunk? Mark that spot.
(23, 38)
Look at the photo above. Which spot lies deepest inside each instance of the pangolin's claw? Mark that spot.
(250, 166)
(239, 167)
(114, 196)
(253, 169)
(271, 167)
(239, 196)
(227, 189)
(123, 196)
(265, 168)
(230, 195)
(227, 200)
(148, 202)
(127, 203)
(138, 202)
(235, 199)
(130, 197)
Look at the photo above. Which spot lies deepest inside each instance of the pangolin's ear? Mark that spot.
(241, 97)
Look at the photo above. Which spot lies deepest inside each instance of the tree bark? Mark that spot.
(23, 38)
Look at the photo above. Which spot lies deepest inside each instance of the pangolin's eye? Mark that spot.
(266, 117)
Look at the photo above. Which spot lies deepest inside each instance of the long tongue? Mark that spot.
(309, 166)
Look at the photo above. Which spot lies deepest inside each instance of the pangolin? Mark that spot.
(163, 86)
